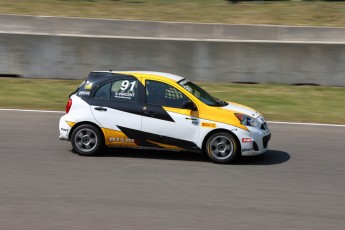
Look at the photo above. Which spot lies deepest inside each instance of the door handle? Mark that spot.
(100, 109)
(191, 118)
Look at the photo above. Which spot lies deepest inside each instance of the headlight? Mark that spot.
(247, 120)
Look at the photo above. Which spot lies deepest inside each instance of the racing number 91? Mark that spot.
(125, 84)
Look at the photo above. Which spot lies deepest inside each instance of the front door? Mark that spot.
(166, 121)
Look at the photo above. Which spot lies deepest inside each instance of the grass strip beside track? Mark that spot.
(276, 102)
(314, 13)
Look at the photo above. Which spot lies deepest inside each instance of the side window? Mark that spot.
(158, 93)
(124, 90)
(103, 92)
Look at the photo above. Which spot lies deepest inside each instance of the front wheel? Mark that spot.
(87, 140)
(222, 148)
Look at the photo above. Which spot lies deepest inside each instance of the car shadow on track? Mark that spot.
(271, 157)
(153, 154)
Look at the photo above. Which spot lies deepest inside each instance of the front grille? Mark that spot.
(255, 146)
(265, 140)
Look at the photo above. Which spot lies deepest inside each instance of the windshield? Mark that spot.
(201, 94)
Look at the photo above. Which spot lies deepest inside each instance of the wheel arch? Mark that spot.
(218, 131)
(85, 123)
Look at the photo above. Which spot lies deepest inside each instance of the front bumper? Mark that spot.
(256, 141)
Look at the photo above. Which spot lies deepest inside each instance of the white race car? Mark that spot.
(159, 110)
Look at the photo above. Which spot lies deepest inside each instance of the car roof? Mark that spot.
(170, 76)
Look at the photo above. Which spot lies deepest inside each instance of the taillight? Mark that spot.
(69, 105)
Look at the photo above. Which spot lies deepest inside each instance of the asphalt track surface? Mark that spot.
(299, 184)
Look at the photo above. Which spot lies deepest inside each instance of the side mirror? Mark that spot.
(190, 105)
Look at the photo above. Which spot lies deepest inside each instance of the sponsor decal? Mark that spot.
(208, 125)
(247, 149)
(195, 122)
(247, 140)
(88, 86)
(65, 130)
(121, 139)
(84, 93)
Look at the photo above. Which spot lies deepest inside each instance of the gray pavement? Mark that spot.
(299, 184)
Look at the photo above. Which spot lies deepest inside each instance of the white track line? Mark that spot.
(173, 39)
(271, 122)
(301, 123)
(31, 110)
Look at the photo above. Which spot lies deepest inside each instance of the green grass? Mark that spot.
(275, 102)
(315, 13)
(286, 102)
(36, 93)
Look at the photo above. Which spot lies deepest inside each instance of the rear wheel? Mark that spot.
(222, 148)
(87, 140)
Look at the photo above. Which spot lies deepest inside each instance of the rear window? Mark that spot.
(103, 93)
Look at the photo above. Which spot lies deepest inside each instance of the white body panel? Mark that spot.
(184, 127)
(79, 112)
(112, 118)
(242, 109)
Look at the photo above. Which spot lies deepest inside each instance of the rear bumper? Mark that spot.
(64, 128)
(63, 138)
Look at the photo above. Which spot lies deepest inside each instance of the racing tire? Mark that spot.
(87, 140)
(222, 148)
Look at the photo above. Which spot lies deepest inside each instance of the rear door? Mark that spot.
(116, 105)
